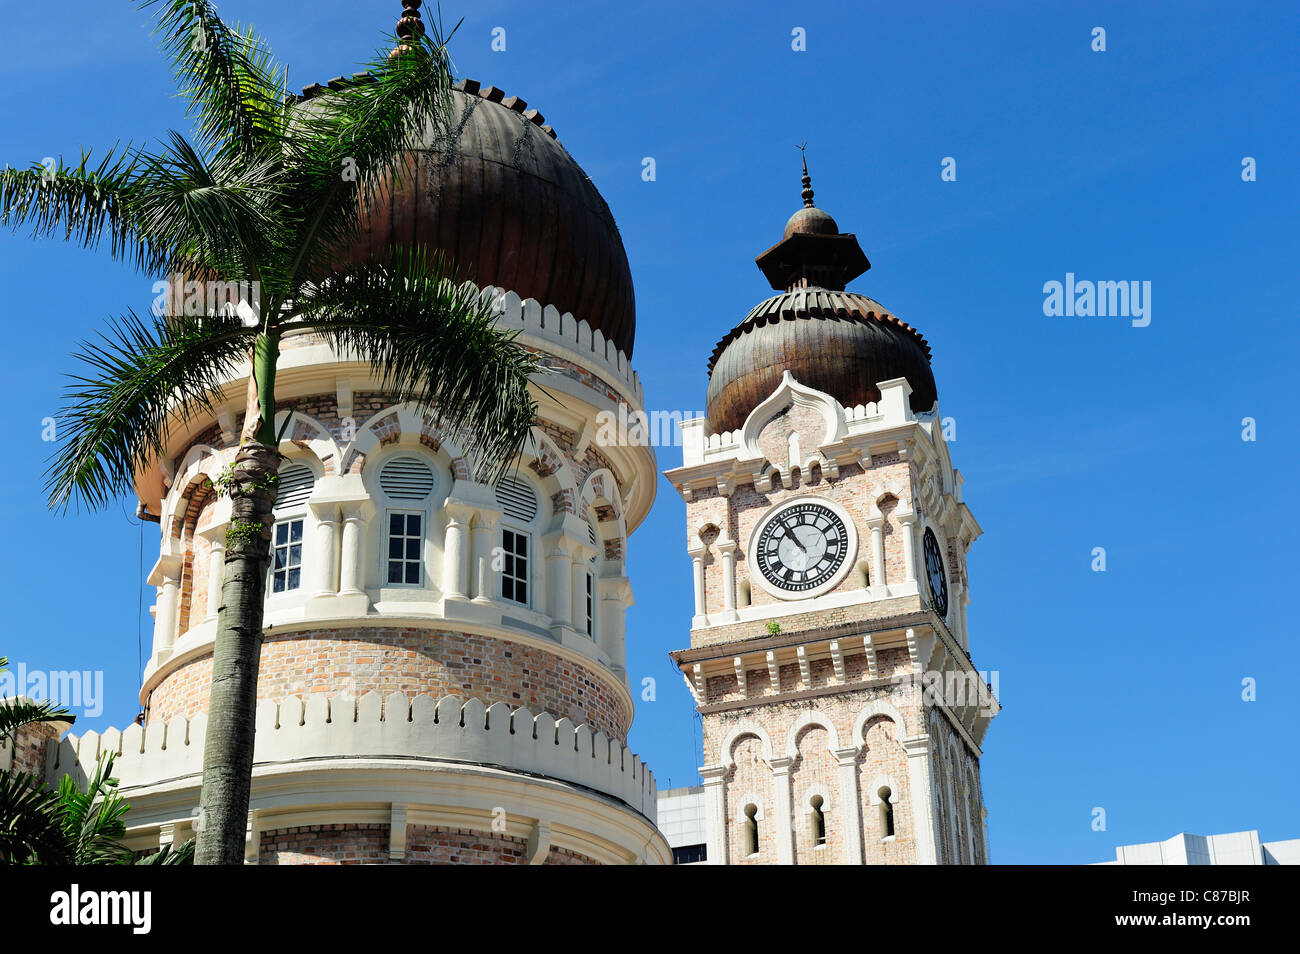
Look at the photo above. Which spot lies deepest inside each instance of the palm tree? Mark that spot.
(266, 197)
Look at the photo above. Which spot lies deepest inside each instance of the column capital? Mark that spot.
(714, 774)
(458, 512)
(905, 517)
(362, 509)
(166, 570)
(781, 765)
(727, 547)
(915, 745)
(875, 523)
(846, 756)
(697, 552)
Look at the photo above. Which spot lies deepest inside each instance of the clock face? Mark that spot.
(934, 572)
(801, 548)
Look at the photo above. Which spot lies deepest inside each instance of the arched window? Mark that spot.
(886, 812)
(751, 829)
(817, 821)
(293, 487)
(407, 483)
(518, 502)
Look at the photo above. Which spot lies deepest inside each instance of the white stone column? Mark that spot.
(483, 530)
(325, 550)
(216, 572)
(701, 609)
(455, 582)
(611, 629)
(921, 787)
(581, 566)
(166, 576)
(877, 525)
(907, 521)
(728, 550)
(715, 813)
(783, 813)
(852, 805)
(354, 526)
(559, 562)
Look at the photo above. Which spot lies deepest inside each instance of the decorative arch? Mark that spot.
(310, 437)
(877, 707)
(600, 494)
(814, 717)
(202, 464)
(406, 424)
(738, 733)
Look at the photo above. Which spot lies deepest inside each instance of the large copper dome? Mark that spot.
(510, 207)
(829, 339)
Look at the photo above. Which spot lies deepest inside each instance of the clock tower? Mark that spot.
(843, 716)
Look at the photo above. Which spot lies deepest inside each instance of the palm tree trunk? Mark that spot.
(236, 654)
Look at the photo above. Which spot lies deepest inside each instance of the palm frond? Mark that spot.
(218, 215)
(171, 855)
(93, 818)
(433, 343)
(17, 713)
(85, 203)
(235, 87)
(141, 376)
(31, 829)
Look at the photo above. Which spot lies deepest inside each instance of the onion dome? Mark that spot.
(829, 339)
(509, 207)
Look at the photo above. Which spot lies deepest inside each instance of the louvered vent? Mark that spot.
(296, 482)
(406, 478)
(591, 535)
(517, 499)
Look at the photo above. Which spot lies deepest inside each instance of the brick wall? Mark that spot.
(437, 662)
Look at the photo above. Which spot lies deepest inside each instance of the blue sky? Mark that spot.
(1122, 689)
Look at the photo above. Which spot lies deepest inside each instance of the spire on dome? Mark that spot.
(807, 192)
(410, 25)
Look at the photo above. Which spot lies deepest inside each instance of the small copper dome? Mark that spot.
(829, 339)
(510, 207)
(811, 221)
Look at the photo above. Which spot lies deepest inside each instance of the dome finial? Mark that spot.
(408, 26)
(807, 192)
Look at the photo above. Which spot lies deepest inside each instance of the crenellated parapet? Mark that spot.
(375, 726)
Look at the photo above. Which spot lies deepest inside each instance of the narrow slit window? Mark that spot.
(886, 813)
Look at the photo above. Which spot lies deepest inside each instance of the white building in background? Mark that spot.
(682, 823)
(1235, 848)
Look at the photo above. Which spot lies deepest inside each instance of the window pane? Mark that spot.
(395, 548)
(412, 524)
(394, 572)
(277, 584)
(412, 573)
(413, 549)
(279, 558)
(395, 524)
(295, 531)
(294, 580)
(281, 533)
(295, 555)
(521, 592)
